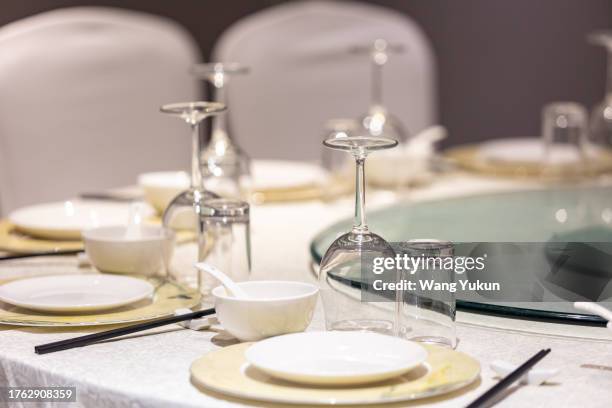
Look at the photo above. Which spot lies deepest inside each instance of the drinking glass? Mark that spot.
(428, 315)
(601, 115)
(564, 132)
(341, 278)
(378, 121)
(182, 211)
(336, 164)
(226, 169)
(227, 245)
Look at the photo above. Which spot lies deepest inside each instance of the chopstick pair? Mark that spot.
(122, 331)
(37, 254)
(508, 380)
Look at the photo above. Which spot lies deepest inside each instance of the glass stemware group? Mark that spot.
(378, 121)
(342, 274)
(184, 210)
(226, 168)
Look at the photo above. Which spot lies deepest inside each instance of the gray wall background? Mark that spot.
(499, 61)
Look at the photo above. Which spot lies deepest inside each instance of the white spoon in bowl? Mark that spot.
(134, 227)
(230, 286)
(596, 309)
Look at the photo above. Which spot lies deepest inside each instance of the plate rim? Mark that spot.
(234, 393)
(321, 379)
(49, 308)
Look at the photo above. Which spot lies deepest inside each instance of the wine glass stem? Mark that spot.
(360, 226)
(376, 91)
(196, 172)
(609, 76)
(219, 122)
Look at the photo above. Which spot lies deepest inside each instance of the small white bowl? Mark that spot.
(161, 187)
(275, 307)
(109, 250)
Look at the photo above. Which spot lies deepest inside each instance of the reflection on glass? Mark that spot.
(601, 115)
(226, 168)
(340, 270)
(378, 121)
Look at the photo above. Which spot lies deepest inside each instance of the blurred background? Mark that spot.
(498, 61)
(82, 84)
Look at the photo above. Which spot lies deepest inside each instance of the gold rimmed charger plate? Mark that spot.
(168, 297)
(11, 240)
(469, 158)
(226, 371)
(14, 241)
(304, 192)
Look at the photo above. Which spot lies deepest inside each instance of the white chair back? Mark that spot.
(302, 74)
(80, 91)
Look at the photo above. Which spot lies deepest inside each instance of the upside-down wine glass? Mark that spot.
(343, 283)
(378, 121)
(184, 210)
(226, 168)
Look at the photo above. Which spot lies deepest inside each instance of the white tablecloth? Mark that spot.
(153, 370)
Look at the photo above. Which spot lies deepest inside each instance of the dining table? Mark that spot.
(151, 369)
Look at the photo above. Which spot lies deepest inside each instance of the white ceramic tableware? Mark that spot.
(596, 309)
(272, 308)
(535, 376)
(530, 150)
(231, 287)
(336, 357)
(75, 293)
(278, 174)
(161, 187)
(409, 163)
(66, 220)
(110, 249)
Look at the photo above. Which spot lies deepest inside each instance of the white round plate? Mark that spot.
(342, 357)
(277, 174)
(527, 150)
(75, 293)
(66, 220)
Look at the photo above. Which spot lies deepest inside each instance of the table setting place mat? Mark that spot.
(167, 297)
(14, 241)
(227, 372)
(469, 157)
(306, 192)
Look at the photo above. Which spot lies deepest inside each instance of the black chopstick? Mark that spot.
(107, 197)
(509, 379)
(36, 254)
(109, 334)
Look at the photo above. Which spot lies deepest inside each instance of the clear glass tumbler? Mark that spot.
(601, 114)
(427, 314)
(564, 133)
(226, 240)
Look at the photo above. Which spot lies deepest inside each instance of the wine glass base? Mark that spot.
(182, 212)
(370, 325)
(433, 340)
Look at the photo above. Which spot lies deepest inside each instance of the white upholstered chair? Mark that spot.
(302, 75)
(80, 91)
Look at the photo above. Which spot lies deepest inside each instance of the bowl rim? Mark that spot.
(149, 179)
(88, 235)
(314, 291)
